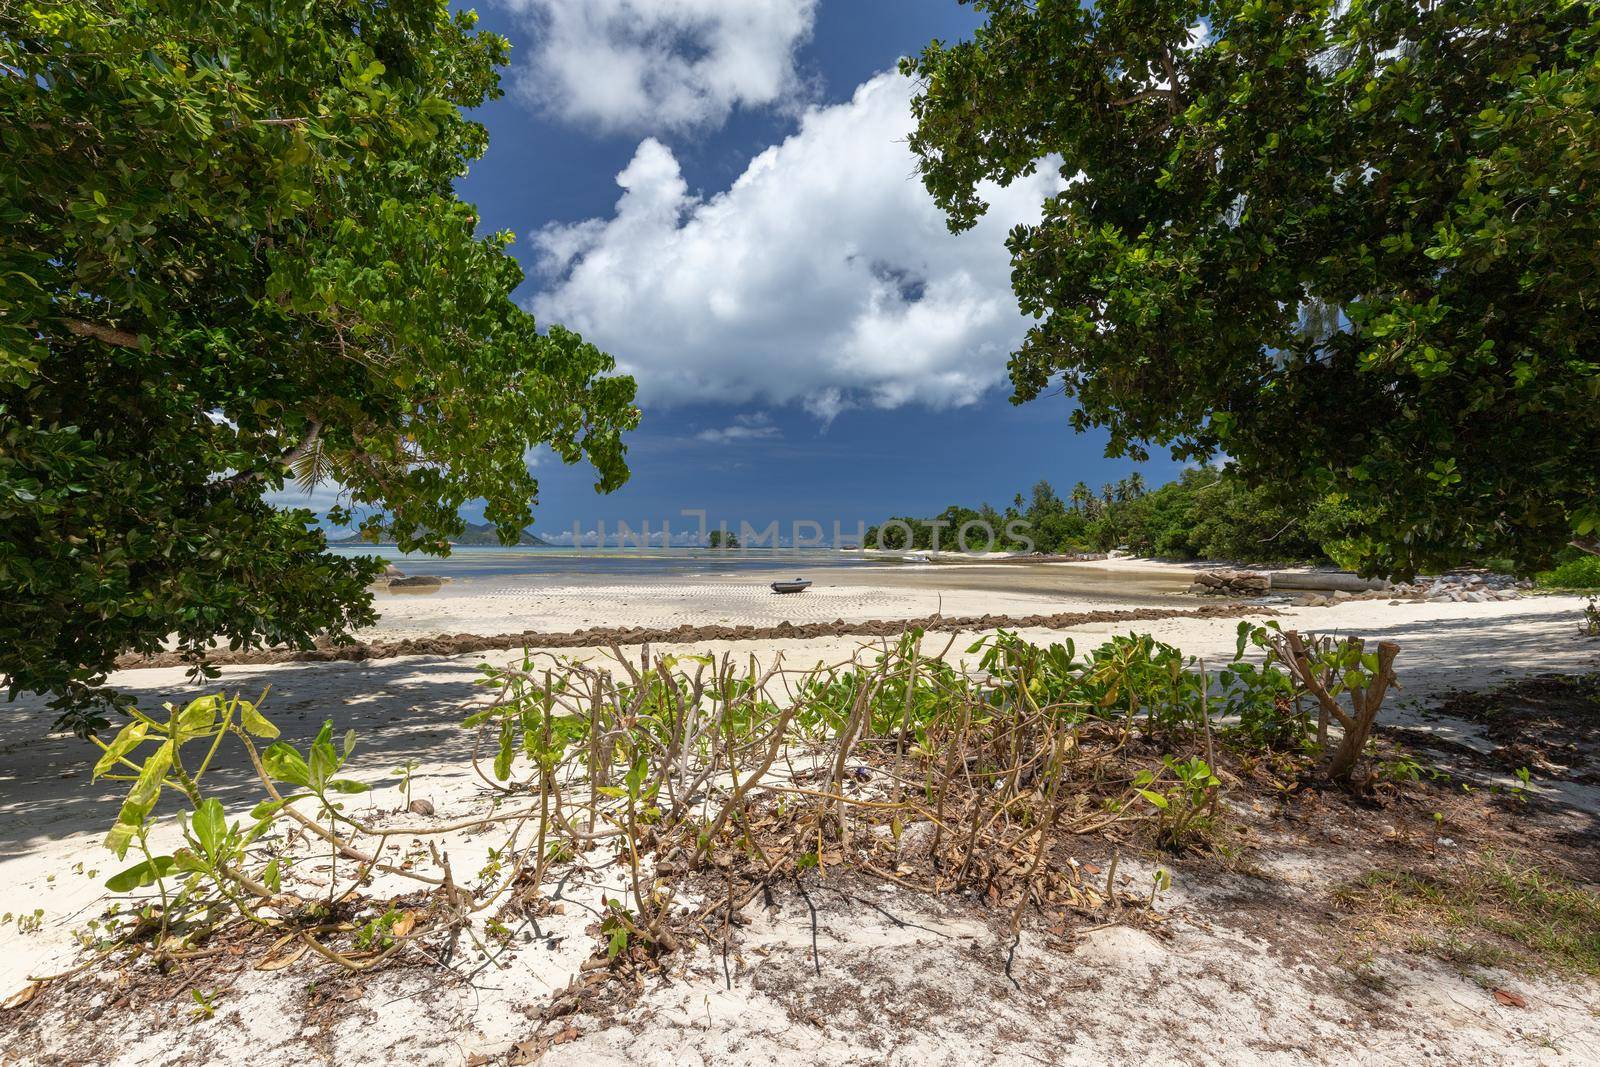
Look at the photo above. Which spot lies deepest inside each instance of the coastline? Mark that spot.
(860, 592)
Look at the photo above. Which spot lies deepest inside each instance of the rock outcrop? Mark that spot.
(417, 583)
(1231, 583)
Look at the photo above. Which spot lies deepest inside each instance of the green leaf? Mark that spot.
(146, 872)
(147, 787)
(504, 754)
(125, 830)
(346, 785)
(200, 715)
(268, 808)
(1155, 798)
(254, 722)
(210, 826)
(323, 763)
(127, 739)
(187, 860)
(286, 765)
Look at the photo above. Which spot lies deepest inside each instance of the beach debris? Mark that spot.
(1509, 998)
(22, 996)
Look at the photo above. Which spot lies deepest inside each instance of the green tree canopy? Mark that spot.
(1351, 245)
(229, 247)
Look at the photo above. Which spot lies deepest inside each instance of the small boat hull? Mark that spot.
(798, 585)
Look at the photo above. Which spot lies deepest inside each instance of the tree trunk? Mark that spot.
(1365, 701)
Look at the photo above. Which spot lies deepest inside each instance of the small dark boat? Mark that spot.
(796, 585)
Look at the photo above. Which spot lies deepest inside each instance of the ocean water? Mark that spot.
(474, 562)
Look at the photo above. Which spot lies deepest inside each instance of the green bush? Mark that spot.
(1582, 572)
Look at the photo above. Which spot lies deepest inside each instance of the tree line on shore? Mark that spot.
(1205, 513)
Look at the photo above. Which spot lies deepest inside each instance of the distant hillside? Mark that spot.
(476, 533)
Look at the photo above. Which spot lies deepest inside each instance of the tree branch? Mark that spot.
(108, 334)
(288, 459)
(1143, 94)
(1590, 544)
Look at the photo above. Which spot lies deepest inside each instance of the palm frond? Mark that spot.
(311, 467)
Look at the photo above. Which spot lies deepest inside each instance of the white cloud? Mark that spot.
(324, 496)
(661, 64)
(824, 277)
(752, 427)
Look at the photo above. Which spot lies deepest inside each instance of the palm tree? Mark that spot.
(1135, 485)
(1081, 496)
(1045, 501)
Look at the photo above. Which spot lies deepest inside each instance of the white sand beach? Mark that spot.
(889, 591)
(895, 977)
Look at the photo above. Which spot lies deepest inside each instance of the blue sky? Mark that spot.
(719, 194)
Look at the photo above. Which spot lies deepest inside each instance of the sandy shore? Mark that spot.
(902, 591)
(411, 707)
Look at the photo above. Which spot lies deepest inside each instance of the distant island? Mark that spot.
(476, 533)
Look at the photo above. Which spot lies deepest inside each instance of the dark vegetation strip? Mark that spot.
(458, 644)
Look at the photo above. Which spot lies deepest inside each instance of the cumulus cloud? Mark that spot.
(634, 65)
(752, 427)
(824, 276)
